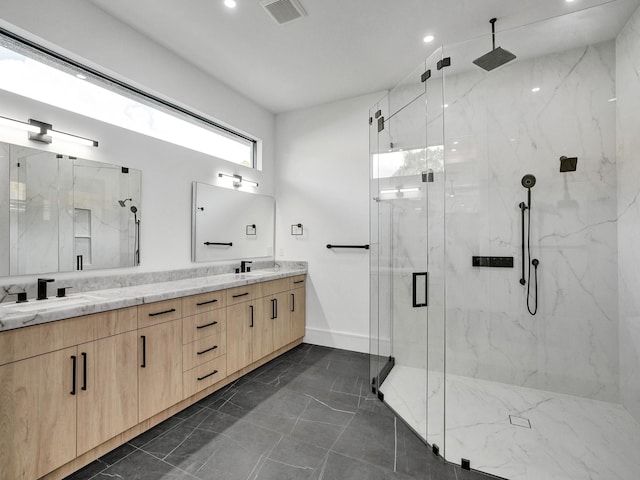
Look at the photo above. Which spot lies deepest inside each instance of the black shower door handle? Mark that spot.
(424, 302)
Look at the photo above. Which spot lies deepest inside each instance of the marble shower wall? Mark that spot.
(504, 130)
(628, 160)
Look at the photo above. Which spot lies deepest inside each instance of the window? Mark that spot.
(36, 75)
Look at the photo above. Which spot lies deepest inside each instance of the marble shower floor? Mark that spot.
(308, 414)
(518, 433)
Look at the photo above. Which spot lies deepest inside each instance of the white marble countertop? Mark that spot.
(35, 312)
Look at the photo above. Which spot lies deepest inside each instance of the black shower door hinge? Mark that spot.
(445, 62)
(380, 124)
(378, 113)
(370, 120)
(425, 76)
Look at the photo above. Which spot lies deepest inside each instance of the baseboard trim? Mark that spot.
(334, 339)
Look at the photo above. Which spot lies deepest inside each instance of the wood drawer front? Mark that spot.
(203, 302)
(203, 376)
(28, 342)
(275, 286)
(243, 294)
(159, 312)
(203, 325)
(297, 282)
(203, 350)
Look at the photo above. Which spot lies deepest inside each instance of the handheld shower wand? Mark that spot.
(528, 182)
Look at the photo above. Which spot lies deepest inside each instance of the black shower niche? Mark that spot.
(500, 262)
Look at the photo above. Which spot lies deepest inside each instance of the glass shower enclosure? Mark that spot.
(504, 298)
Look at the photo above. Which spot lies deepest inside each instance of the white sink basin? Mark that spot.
(51, 303)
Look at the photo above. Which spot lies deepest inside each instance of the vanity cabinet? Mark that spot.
(204, 337)
(107, 389)
(64, 390)
(160, 357)
(298, 307)
(37, 414)
(72, 390)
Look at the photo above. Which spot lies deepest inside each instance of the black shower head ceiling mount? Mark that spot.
(497, 56)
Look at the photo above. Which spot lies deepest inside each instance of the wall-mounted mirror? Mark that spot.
(230, 224)
(60, 213)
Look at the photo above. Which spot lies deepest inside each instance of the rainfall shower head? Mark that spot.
(528, 181)
(497, 56)
(123, 202)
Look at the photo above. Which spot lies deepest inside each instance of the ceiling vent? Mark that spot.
(283, 11)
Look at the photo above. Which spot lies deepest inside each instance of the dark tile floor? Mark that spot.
(308, 414)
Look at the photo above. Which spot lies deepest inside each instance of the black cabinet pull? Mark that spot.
(171, 310)
(208, 375)
(207, 302)
(251, 308)
(84, 371)
(273, 309)
(207, 350)
(144, 351)
(74, 362)
(275, 302)
(241, 295)
(298, 281)
(293, 302)
(207, 325)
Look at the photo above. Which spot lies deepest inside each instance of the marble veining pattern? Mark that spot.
(163, 288)
(571, 438)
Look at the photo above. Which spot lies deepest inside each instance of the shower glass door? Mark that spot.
(406, 278)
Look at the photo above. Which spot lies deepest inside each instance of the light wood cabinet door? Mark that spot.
(279, 315)
(298, 306)
(37, 415)
(262, 331)
(108, 389)
(242, 320)
(160, 367)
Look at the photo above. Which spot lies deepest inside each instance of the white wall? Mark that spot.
(322, 182)
(628, 146)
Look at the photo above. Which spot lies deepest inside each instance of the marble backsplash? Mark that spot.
(87, 282)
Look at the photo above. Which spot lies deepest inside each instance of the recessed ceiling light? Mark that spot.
(456, 142)
(535, 89)
(81, 76)
(428, 39)
(569, 1)
(454, 150)
(230, 3)
(612, 99)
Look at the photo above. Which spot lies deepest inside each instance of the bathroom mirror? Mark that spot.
(230, 224)
(61, 214)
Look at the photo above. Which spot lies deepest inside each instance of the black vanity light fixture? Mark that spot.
(238, 180)
(44, 133)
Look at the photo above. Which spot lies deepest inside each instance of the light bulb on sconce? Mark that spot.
(238, 180)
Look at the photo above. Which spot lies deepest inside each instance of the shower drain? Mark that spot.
(519, 421)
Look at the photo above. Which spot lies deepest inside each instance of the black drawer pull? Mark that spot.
(207, 325)
(251, 308)
(208, 375)
(84, 371)
(241, 295)
(171, 310)
(298, 281)
(207, 302)
(208, 350)
(293, 302)
(144, 351)
(74, 361)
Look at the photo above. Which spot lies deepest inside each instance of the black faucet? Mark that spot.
(243, 266)
(42, 288)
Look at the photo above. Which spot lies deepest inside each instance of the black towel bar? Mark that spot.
(365, 247)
